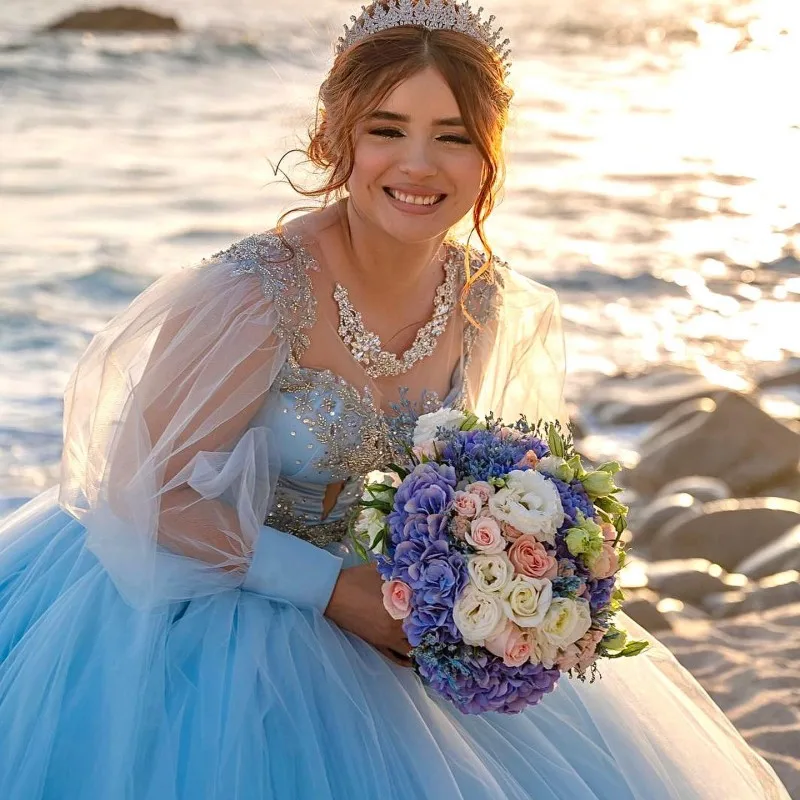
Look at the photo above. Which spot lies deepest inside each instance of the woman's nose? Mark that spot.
(418, 159)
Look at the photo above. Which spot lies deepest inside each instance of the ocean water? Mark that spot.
(654, 177)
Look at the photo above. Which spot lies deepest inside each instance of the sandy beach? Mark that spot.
(714, 491)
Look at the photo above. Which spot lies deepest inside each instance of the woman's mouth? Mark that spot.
(417, 202)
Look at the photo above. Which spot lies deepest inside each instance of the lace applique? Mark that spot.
(285, 517)
(483, 303)
(356, 437)
(284, 280)
(402, 422)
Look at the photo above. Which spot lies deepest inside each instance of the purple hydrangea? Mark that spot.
(573, 499)
(432, 621)
(476, 681)
(600, 591)
(482, 454)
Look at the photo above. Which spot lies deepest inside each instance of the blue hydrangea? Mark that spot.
(475, 681)
(481, 454)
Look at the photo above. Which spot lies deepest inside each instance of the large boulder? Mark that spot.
(115, 19)
(641, 607)
(732, 439)
(728, 531)
(645, 523)
(782, 554)
(772, 375)
(690, 579)
(645, 397)
(773, 592)
(701, 487)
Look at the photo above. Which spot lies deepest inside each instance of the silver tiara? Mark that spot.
(435, 15)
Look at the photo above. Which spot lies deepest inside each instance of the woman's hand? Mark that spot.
(357, 606)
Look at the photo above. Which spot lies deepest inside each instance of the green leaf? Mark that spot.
(555, 442)
(634, 648)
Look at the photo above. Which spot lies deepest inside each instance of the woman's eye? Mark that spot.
(452, 137)
(389, 133)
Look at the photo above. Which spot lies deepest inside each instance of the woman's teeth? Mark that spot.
(415, 199)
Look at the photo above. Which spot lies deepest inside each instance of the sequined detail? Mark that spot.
(354, 430)
(283, 271)
(483, 304)
(283, 516)
(358, 435)
(366, 346)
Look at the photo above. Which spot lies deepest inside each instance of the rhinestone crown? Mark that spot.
(431, 14)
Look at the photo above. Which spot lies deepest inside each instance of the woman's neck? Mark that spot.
(379, 262)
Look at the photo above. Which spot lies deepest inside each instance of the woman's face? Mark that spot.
(416, 172)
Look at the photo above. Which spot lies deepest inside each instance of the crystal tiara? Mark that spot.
(435, 15)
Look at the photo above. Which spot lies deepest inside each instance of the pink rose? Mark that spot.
(510, 532)
(609, 531)
(581, 654)
(510, 434)
(588, 644)
(569, 658)
(606, 564)
(530, 459)
(427, 450)
(397, 599)
(530, 558)
(485, 535)
(461, 527)
(512, 644)
(467, 504)
(483, 489)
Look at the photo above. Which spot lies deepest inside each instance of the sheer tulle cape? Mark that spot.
(161, 463)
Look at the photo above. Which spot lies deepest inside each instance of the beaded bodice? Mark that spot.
(325, 429)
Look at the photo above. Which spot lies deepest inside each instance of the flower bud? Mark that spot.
(598, 484)
(615, 639)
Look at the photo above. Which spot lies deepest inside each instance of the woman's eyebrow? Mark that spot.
(391, 116)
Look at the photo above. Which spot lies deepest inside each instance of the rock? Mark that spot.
(677, 418)
(690, 579)
(648, 521)
(788, 487)
(700, 487)
(728, 531)
(773, 375)
(115, 19)
(777, 590)
(640, 606)
(733, 440)
(646, 397)
(780, 555)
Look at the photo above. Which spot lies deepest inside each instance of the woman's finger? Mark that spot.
(393, 655)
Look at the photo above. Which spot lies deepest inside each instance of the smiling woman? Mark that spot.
(185, 617)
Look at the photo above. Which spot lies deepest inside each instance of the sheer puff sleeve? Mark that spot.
(162, 463)
(517, 361)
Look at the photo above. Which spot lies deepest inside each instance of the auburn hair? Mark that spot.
(366, 73)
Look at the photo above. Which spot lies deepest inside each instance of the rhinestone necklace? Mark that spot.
(366, 346)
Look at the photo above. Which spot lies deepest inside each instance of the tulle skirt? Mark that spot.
(236, 697)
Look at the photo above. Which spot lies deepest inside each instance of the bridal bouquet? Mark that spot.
(498, 551)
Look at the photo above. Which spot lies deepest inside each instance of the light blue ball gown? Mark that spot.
(161, 625)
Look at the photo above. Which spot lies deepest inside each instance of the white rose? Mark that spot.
(490, 573)
(530, 503)
(550, 465)
(369, 523)
(478, 616)
(526, 600)
(543, 650)
(428, 424)
(565, 622)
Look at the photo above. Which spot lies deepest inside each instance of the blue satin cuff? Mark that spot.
(284, 567)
